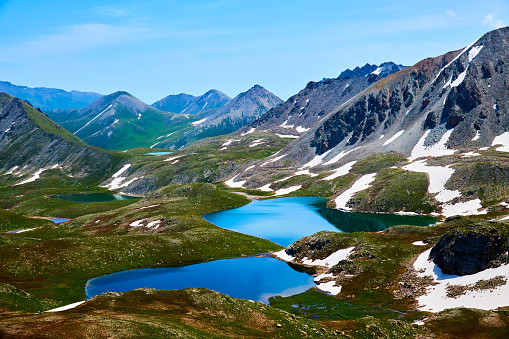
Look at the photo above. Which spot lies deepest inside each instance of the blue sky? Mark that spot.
(154, 48)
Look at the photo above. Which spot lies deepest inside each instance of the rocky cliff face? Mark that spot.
(304, 110)
(470, 250)
(30, 141)
(50, 98)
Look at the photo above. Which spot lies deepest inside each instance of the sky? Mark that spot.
(154, 48)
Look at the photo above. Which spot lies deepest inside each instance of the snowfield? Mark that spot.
(436, 299)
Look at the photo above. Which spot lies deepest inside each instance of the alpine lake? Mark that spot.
(282, 221)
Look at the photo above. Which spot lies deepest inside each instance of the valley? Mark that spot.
(374, 204)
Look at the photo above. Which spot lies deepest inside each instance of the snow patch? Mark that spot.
(306, 172)
(273, 160)
(36, 176)
(265, 188)
(438, 176)
(317, 160)
(250, 167)
(196, 123)
(66, 307)
(248, 132)
(145, 207)
(301, 129)
(453, 60)
(173, 158)
(394, 137)
(323, 276)
(283, 191)
(229, 142)
(330, 287)
(343, 170)
(284, 125)
(477, 135)
(436, 300)
(232, 184)
(470, 154)
(287, 136)
(472, 207)
(338, 156)
(255, 143)
(361, 184)
(331, 260)
(435, 150)
(97, 116)
(419, 243)
(12, 170)
(473, 52)
(502, 139)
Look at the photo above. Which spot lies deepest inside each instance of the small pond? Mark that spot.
(285, 220)
(59, 220)
(158, 153)
(92, 197)
(253, 278)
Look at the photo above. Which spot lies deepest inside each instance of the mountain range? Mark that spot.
(189, 104)
(385, 69)
(50, 98)
(120, 121)
(237, 113)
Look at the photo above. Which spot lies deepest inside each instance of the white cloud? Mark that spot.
(72, 39)
(110, 11)
(492, 21)
(452, 13)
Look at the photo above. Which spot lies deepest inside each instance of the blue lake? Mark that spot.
(285, 220)
(158, 153)
(253, 278)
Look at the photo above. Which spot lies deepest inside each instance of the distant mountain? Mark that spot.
(30, 143)
(189, 104)
(385, 69)
(120, 121)
(237, 113)
(50, 98)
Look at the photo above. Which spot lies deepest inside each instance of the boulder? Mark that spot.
(470, 250)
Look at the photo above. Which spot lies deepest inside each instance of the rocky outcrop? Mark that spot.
(317, 246)
(471, 250)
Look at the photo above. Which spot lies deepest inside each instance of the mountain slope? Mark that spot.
(189, 104)
(460, 96)
(50, 98)
(385, 69)
(30, 142)
(121, 121)
(303, 110)
(237, 113)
